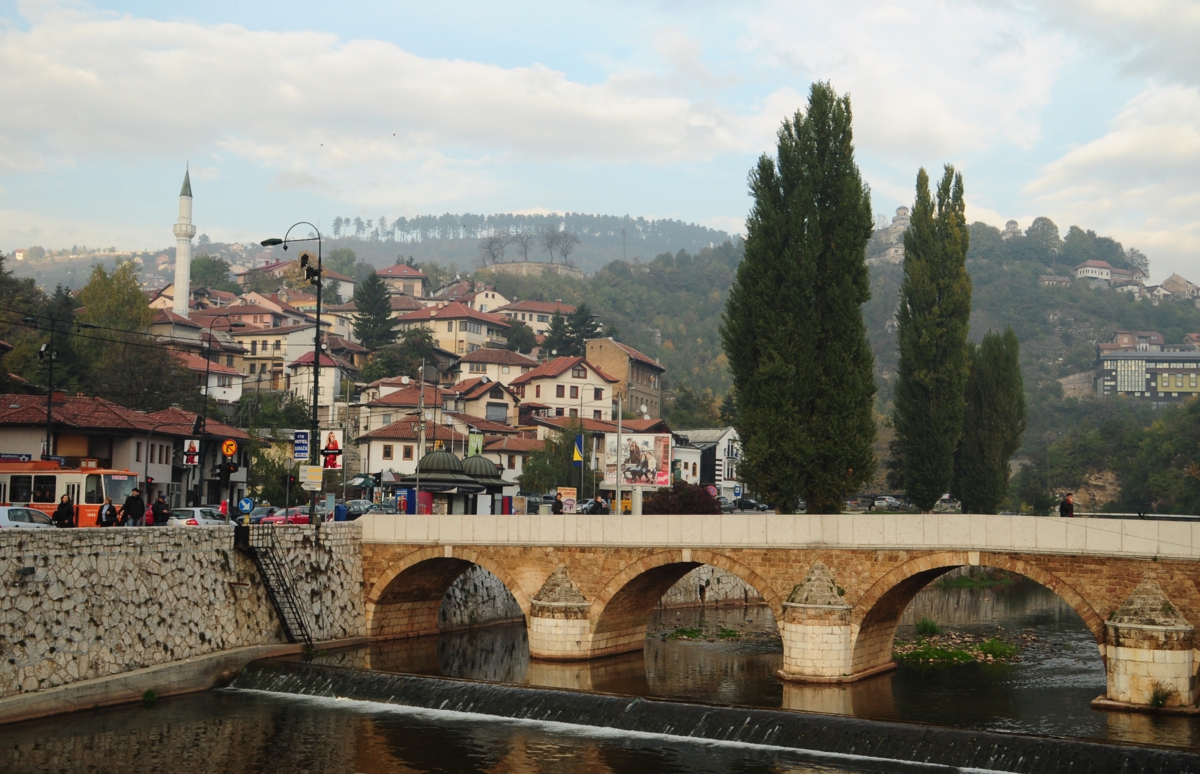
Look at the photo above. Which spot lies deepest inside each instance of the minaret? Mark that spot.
(184, 231)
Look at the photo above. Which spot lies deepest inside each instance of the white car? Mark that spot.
(16, 517)
(195, 517)
(886, 501)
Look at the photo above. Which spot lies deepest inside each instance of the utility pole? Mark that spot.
(420, 435)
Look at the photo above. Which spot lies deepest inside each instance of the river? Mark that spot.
(1046, 692)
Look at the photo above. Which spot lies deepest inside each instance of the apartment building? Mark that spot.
(458, 328)
(567, 386)
(639, 376)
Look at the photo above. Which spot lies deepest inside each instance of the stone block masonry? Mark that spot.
(91, 603)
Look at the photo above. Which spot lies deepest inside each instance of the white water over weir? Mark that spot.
(978, 750)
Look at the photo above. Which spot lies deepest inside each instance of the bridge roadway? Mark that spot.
(837, 584)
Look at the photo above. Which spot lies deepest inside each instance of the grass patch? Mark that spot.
(998, 649)
(1160, 695)
(929, 653)
(927, 627)
(684, 632)
(728, 634)
(149, 698)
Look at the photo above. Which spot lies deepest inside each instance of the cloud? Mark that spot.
(1138, 181)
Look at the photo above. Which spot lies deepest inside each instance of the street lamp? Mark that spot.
(204, 416)
(47, 353)
(313, 275)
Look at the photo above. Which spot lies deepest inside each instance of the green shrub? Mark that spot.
(998, 648)
(1160, 695)
(927, 627)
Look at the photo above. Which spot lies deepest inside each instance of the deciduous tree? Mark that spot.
(933, 318)
(793, 328)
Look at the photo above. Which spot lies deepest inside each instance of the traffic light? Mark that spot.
(289, 480)
(197, 425)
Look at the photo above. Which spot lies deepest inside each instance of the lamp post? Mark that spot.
(204, 416)
(47, 353)
(313, 276)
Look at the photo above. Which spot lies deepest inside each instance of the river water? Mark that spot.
(1047, 692)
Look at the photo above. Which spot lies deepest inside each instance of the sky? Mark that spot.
(1085, 111)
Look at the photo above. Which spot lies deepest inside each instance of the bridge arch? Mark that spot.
(878, 611)
(405, 600)
(621, 611)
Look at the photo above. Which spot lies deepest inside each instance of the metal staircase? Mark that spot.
(260, 544)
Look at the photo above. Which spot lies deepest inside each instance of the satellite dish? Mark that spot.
(457, 276)
(428, 414)
(644, 409)
(405, 380)
(554, 352)
(484, 379)
(645, 416)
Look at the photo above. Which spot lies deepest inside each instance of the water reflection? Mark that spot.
(1048, 691)
(244, 733)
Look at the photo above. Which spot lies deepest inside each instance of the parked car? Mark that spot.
(357, 508)
(14, 517)
(888, 502)
(585, 506)
(294, 515)
(261, 512)
(726, 504)
(746, 504)
(195, 517)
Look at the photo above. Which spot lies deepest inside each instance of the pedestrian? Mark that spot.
(134, 510)
(1067, 506)
(557, 505)
(107, 515)
(64, 514)
(601, 505)
(160, 512)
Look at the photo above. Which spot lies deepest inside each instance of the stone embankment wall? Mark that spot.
(710, 586)
(477, 598)
(89, 603)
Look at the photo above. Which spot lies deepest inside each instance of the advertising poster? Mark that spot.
(331, 449)
(644, 459)
(568, 497)
(474, 444)
(191, 452)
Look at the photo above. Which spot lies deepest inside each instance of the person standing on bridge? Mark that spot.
(64, 514)
(134, 510)
(557, 505)
(1067, 507)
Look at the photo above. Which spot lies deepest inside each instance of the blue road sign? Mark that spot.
(737, 491)
(300, 444)
(245, 505)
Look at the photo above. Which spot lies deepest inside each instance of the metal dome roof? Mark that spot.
(480, 467)
(440, 462)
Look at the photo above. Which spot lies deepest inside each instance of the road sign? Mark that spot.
(712, 490)
(300, 445)
(229, 447)
(737, 490)
(311, 477)
(16, 458)
(245, 505)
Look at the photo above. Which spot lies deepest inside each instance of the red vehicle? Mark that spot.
(40, 485)
(296, 515)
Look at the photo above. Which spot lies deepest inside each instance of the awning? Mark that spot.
(362, 481)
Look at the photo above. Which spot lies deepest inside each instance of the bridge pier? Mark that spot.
(558, 625)
(1149, 655)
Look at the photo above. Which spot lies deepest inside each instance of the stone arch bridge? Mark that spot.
(837, 584)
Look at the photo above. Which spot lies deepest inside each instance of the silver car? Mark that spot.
(195, 517)
(16, 517)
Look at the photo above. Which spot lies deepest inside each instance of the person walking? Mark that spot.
(160, 512)
(107, 515)
(601, 505)
(64, 514)
(1067, 507)
(557, 505)
(133, 512)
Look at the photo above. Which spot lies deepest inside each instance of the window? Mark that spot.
(558, 412)
(512, 462)
(503, 369)
(92, 493)
(22, 488)
(560, 391)
(387, 451)
(470, 326)
(598, 393)
(229, 360)
(387, 419)
(538, 391)
(497, 412)
(137, 452)
(252, 368)
(276, 345)
(729, 475)
(574, 392)
(408, 452)
(264, 346)
(597, 415)
(575, 413)
(496, 393)
(254, 348)
(44, 489)
(224, 381)
(449, 326)
(478, 368)
(578, 372)
(543, 318)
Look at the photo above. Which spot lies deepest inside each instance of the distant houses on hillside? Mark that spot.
(1141, 365)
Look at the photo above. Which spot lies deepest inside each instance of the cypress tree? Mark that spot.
(373, 324)
(934, 315)
(793, 328)
(993, 422)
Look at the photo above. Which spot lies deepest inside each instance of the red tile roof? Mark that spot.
(199, 364)
(162, 316)
(514, 444)
(325, 362)
(408, 396)
(181, 423)
(557, 367)
(400, 271)
(591, 425)
(402, 303)
(538, 307)
(645, 425)
(498, 357)
(633, 353)
(485, 426)
(471, 389)
(453, 311)
(407, 429)
(83, 413)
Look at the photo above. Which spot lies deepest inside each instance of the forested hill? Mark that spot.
(454, 239)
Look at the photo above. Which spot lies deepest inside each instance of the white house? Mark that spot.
(224, 382)
(720, 449)
(330, 373)
(567, 386)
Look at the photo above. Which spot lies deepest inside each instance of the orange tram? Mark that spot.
(40, 485)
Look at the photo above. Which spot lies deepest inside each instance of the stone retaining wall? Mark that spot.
(708, 585)
(477, 598)
(89, 603)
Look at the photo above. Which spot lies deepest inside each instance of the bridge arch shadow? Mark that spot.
(407, 598)
(621, 612)
(878, 612)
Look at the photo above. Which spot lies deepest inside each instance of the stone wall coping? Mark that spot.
(1124, 538)
(561, 604)
(817, 607)
(1150, 627)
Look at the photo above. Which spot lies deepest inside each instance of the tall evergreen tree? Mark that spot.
(373, 324)
(934, 315)
(993, 422)
(793, 329)
(558, 337)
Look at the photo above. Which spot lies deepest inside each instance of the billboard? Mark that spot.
(644, 459)
(191, 452)
(331, 449)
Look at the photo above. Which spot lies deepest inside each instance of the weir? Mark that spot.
(793, 730)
